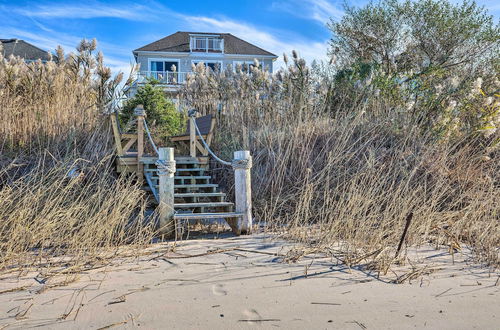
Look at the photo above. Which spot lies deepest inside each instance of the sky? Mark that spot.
(278, 26)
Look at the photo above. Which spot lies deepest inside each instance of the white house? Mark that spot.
(170, 59)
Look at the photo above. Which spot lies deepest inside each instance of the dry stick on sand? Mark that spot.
(21, 288)
(222, 251)
(361, 325)
(260, 320)
(325, 303)
(405, 232)
(123, 297)
(131, 318)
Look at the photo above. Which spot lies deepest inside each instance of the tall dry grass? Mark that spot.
(56, 106)
(76, 211)
(336, 165)
(59, 194)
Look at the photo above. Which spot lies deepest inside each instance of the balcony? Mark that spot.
(164, 77)
(206, 44)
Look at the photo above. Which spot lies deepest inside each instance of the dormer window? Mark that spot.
(207, 43)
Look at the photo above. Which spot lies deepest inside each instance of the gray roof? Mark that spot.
(179, 42)
(23, 49)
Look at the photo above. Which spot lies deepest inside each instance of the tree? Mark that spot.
(433, 61)
(415, 36)
(161, 113)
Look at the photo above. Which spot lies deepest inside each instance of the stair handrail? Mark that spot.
(140, 112)
(192, 114)
(241, 164)
(146, 128)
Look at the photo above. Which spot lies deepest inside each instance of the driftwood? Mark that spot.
(409, 217)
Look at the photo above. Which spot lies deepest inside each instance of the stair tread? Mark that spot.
(155, 177)
(202, 204)
(199, 194)
(148, 160)
(207, 215)
(177, 170)
(201, 185)
(197, 185)
(186, 162)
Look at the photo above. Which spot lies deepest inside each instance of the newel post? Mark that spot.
(242, 164)
(192, 135)
(141, 114)
(166, 171)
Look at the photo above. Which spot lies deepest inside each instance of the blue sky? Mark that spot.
(122, 26)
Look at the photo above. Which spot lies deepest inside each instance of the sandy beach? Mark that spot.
(242, 282)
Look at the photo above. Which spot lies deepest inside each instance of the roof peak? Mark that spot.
(209, 33)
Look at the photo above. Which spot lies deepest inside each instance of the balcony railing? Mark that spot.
(164, 77)
(207, 44)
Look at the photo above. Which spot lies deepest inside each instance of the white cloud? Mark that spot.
(49, 42)
(276, 42)
(86, 11)
(119, 57)
(44, 41)
(318, 10)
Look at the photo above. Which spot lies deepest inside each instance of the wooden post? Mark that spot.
(166, 172)
(140, 113)
(242, 164)
(116, 134)
(192, 136)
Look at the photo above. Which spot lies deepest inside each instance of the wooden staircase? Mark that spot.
(195, 197)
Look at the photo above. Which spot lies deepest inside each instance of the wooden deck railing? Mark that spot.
(164, 77)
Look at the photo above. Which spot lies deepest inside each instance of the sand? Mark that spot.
(240, 289)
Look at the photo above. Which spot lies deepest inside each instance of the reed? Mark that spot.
(334, 163)
(62, 203)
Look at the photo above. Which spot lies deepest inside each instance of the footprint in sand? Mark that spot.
(251, 316)
(218, 290)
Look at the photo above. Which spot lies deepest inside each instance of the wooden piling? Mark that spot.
(116, 134)
(192, 136)
(242, 164)
(166, 172)
(140, 113)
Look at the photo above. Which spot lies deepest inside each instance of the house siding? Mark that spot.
(187, 59)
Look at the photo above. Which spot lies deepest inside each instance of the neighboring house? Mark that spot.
(170, 59)
(23, 49)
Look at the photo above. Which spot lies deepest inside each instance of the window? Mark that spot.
(164, 66)
(163, 70)
(212, 43)
(215, 66)
(208, 44)
(246, 66)
(201, 43)
(157, 66)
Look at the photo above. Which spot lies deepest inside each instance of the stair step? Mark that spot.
(185, 177)
(216, 194)
(204, 185)
(148, 160)
(194, 169)
(189, 216)
(186, 161)
(192, 205)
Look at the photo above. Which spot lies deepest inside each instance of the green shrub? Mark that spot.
(161, 113)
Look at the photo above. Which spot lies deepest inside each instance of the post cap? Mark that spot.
(139, 110)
